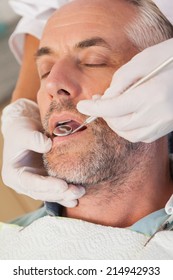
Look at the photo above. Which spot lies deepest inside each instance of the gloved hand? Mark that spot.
(169, 206)
(145, 113)
(22, 168)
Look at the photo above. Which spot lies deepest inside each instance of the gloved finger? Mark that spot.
(32, 140)
(110, 107)
(146, 134)
(158, 133)
(68, 201)
(73, 191)
(46, 188)
(36, 141)
(28, 133)
(132, 137)
(69, 204)
(154, 116)
(129, 122)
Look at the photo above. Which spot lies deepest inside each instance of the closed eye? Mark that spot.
(95, 65)
(45, 75)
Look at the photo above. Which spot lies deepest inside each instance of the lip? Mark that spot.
(55, 118)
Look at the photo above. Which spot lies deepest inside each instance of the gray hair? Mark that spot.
(150, 26)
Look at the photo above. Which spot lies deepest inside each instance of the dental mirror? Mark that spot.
(62, 130)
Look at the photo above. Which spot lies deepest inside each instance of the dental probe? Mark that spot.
(167, 225)
(87, 121)
(139, 82)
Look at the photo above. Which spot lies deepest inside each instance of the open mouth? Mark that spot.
(66, 127)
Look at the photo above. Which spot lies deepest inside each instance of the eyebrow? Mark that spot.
(43, 51)
(95, 41)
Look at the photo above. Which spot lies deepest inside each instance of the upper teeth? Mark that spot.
(63, 122)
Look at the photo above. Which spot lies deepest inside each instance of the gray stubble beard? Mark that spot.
(109, 159)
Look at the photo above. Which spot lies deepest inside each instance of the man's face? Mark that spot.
(82, 46)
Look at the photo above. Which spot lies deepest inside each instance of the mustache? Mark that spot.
(58, 108)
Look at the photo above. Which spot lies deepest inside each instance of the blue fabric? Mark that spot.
(150, 223)
(29, 218)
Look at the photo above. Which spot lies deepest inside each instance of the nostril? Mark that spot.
(63, 92)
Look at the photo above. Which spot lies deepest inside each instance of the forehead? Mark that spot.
(85, 18)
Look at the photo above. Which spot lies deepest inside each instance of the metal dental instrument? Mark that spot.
(139, 82)
(167, 225)
(87, 121)
(62, 130)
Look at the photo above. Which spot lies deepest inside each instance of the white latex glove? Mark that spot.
(22, 168)
(169, 206)
(145, 113)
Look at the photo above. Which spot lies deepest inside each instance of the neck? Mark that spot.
(121, 204)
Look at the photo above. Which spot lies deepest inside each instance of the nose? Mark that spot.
(63, 80)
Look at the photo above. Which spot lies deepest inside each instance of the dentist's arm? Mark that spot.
(145, 113)
(28, 81)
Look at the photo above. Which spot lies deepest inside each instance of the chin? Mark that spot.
(76, 169)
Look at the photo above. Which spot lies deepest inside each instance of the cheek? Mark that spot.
(101, 81)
